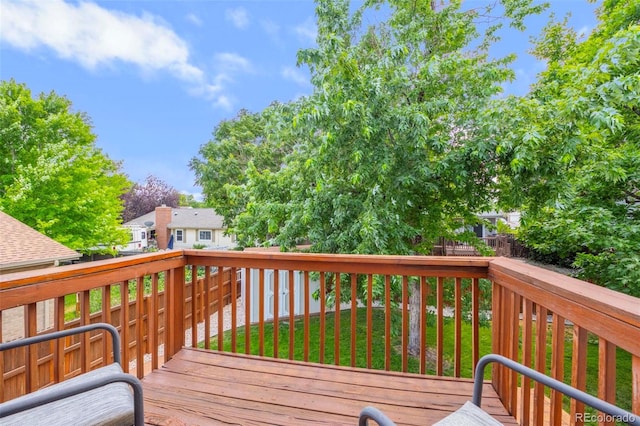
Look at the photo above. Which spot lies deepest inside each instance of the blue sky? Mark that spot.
(157, 76)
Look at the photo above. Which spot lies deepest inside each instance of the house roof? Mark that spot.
(195, 218)
(22, 247)
(187, 217)
(149, 217)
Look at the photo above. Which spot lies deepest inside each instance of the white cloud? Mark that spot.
(93, 37)
(224, 102)
(270, 27)
(295, 75)
(194, 19)
(232, 62)
(307, 31)
(238, 17)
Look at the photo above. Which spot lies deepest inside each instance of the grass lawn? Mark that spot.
(345, 342)
(623, 359)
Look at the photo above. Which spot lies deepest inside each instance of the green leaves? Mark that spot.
(53, 177)
(578, 176)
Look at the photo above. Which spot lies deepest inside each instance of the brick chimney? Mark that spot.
(163, 219)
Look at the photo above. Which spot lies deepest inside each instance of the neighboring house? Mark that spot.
(22, 248)
(483, 230)
(185, 227)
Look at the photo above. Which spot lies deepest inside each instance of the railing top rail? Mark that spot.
(34, 286)
(585, 304)
(615, 303)
(472, 266)
(19, 279)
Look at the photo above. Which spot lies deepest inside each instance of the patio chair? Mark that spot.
(471, 413)
(99, 397)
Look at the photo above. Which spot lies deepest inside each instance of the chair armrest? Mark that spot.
(372, 413)
(16, 406)
(115, 337)
(599, 404)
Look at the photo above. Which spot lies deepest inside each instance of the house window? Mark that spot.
(205, 236)
(179, 235)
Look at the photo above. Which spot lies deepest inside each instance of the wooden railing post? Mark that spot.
(635, 382)
(175, 308)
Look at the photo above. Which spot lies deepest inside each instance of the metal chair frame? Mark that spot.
(617, 413)
(15, 406)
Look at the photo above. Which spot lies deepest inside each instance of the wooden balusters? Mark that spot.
(306, 306)
(527, 350)
(457, 315)
(369, 320)
(220, 300)
(233, 277)
(153, 323)
(261, 286)
(606, 374)
(404, 342)
(323, 320)
(578, 371)
(336, 334)
(635, 384)
(424, 289)
(276, 311)
(31, 351)
(247, 311)
(557, 365)
(387, 322)
(475, 323)
(292, 315)
(440, 327)
(140, 336)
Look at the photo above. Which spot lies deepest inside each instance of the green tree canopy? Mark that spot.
(52, 176)
(576, 160)
(259, 141)
(396, 146)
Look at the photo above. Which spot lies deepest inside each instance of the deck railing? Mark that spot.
(272, 300)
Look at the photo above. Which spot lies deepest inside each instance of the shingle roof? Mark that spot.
(22, 246)
(149, 217)
(195, 218)
(182, 218)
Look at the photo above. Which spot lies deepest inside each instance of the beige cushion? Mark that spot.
(108, 405)
(468, 415)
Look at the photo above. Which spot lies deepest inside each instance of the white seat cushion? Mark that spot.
(468, 415)
(109, 405)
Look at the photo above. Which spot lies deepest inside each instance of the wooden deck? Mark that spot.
(198, 387)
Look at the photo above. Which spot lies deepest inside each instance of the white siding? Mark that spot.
(219, 240)
(269, 296)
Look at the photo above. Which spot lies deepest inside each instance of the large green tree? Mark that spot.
(576, 162)
(250, 141)
(396, 146)
(52, 176)
(398, 141)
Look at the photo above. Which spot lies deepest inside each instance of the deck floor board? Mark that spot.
(208, 387)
